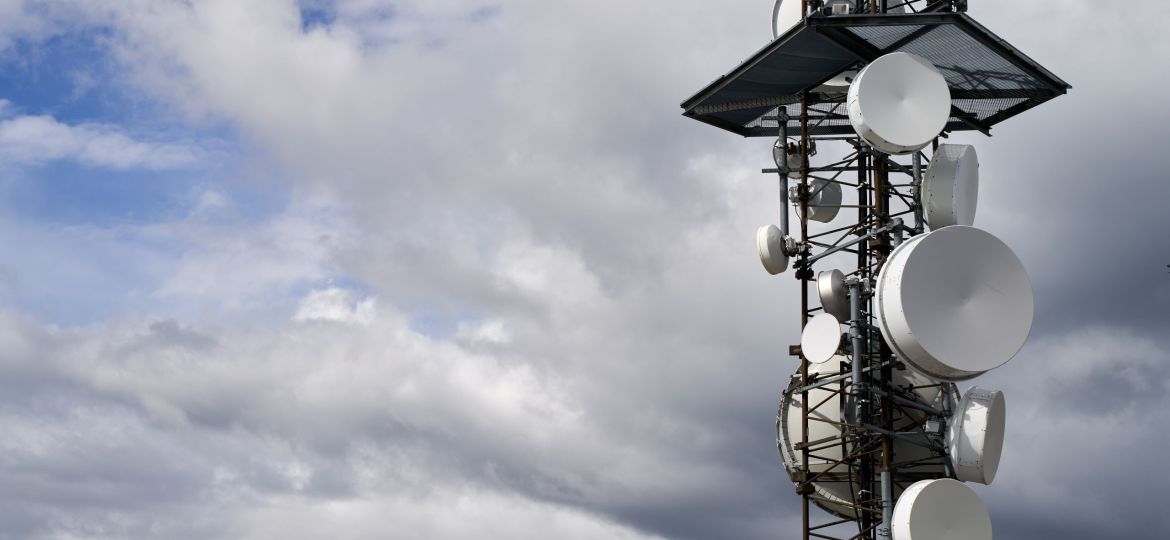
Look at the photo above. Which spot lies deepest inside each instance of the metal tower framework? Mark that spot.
(887, 211)
(775, 93)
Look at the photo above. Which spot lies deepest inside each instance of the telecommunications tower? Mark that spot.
(901, 297)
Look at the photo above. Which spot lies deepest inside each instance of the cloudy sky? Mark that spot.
(456, 269)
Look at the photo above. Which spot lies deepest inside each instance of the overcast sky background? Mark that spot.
(452, 269)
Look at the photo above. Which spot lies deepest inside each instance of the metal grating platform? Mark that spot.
(990, 80)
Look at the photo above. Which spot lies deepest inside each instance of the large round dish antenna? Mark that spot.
(821, 338)
(833, 294)
(975, 435)
(899, 103)
(950, 187)
(831, 405)
(954, 303)
(770, 244)
(942, 509)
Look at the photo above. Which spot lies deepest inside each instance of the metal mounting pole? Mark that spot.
(806, 489)
(886, 241)
(916, 192)
(887, 504)
(858, 339)
(782, 164)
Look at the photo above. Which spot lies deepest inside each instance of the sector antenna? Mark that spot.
(902, 297)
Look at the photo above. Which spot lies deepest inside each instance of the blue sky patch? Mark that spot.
(316, 14)
(71, 78)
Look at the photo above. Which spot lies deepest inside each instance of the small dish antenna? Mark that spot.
(954, 303)
(899, 103)
(788, 154)
(942, 509)
(824, 199)
(821, 338)
(975, 435)
(771, 244)
(950, 187)
(833, 293)
(785, 15)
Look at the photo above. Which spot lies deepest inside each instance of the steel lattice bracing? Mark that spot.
(883, 190)
(990, 80)
(780, 92)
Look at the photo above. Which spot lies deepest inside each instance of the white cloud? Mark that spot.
(239, 265)
(334, 304)
(32, 140)
(623, 352)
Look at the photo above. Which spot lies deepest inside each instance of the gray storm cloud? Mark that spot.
(611, 353)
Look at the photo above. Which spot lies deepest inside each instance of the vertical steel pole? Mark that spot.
(806, 488)
(881, 207)
(887, 504)
(864, 164)
(862, 207)
(855, 334)
(916, 194)
(782, 115)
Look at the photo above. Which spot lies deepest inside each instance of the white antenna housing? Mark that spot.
(770, 244)
(833, 294)
(824, 200)
(899, 103)
(950, 187)
(821, 338)
(975, 435)
(942, 509)
(954, 303)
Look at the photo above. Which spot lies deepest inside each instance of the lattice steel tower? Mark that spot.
(866, 418)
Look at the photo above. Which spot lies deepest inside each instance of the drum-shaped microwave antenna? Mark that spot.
(942, 509)
(899, 103)
(975, 435)
(950, 187)
(954, 303)
(833, 293)
(821, 338)
(770, 244)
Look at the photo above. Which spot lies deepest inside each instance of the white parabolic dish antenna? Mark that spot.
(942, 509)
(950, 187)
(833, 294)
(770, 245)
(954, 303)
(975, 435)
(824, 200)
(821, 338)
(827, 461)
(899, 103)
(779, 151)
